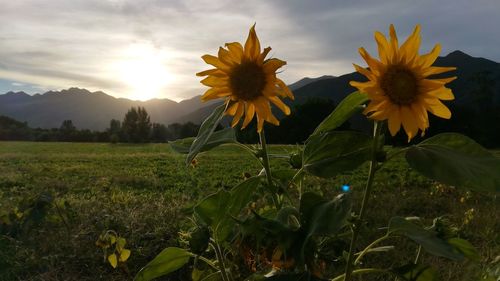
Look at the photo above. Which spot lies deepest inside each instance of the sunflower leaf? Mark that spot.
(166, 262)
(206, 138)
(217, 210)
(416, 272)
(427, 238)
(457, 160)
(333, 152)
(346, 108)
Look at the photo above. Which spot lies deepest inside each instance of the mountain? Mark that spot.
(477, 86)
(304, 81)
(87, 110)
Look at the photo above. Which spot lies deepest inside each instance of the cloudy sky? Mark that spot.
(152, 48)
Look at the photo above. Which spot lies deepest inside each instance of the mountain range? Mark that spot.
(478, 83)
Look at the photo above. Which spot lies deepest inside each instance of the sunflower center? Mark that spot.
(400, 85)
(247, 81)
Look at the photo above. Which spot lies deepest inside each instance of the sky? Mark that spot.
(152, 49)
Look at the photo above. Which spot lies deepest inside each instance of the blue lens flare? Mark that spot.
(346, 188)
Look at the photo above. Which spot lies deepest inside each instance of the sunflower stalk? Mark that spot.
(364, 204)
(267, 168)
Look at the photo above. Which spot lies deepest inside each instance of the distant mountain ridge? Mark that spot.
(94, 110)
(87, 110)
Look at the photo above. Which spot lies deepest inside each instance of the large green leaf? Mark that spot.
(466, 248)
(417, 272)
(182, 146)
(457, 160)
(217, 138)
(320, 216)
(346, 108)
(217, 210)
(324, 217)
(206, 130)
(168, 261)
(428, 239)
(334, 152)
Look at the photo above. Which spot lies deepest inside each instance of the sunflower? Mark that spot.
(399, 86)
(247, 81)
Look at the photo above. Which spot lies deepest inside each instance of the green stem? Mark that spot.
(209, 262)
(220, 259)
(244, 147)
(361, 271)
(265, 163)
(419, 254)
(362, 253)
(364, 204)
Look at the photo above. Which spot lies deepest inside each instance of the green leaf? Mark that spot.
(417, 272)
(217, 209)
(182, 146)
(206, 130)
(217, 138)
(425, 237)
(199, 239)
(168, 261)
(466, 248)
(456, 160)
(334, 152)
(324, 217)
(239, 197)
(212, 208)
(346, 108)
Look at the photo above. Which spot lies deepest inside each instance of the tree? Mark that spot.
(115, 131)
(159, 133)
(67, 130)
(136, 125)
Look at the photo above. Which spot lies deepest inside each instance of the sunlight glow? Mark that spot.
(143, 70)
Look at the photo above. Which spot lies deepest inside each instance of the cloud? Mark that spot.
(55, 44)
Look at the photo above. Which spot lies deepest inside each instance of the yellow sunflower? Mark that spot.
(247, 81)
(399, 86)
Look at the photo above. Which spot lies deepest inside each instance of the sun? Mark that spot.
(143, 70)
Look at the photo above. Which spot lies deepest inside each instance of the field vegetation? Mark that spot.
(56, 199)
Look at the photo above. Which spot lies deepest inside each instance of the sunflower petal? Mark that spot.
(428, 59)
(239, 112)
(232, 109)
(384, 51)
(437, 108)
(441, 93)
(394, 43)
(213, 60)
(436, 70)
(225, 57)
(409, 49)
(264, 53)
(214, 72)
(284, 88)
(375, 66)
(409, 122)
(213, 81)
(236, 50)
(365, 72)
(250, 111)
(252, 45)
(271, 65)
(280, 104)
(214, 93)
(394, 121)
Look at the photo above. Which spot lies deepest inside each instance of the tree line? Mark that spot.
(480, 123)
(136, 127)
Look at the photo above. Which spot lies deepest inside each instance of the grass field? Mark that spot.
(140, 191)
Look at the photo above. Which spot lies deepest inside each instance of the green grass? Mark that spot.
(140, 191)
